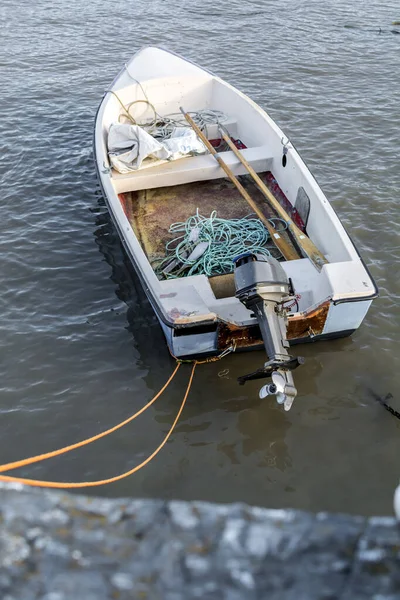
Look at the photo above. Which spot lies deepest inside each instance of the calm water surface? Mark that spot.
(80, 346)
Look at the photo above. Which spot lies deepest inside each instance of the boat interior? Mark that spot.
(151, 213)
(155, 196)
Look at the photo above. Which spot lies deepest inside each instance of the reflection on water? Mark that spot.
(142, 322)
(267, 441)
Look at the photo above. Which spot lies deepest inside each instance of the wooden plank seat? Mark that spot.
(186, 170)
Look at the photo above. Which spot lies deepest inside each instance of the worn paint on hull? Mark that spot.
(304, 325)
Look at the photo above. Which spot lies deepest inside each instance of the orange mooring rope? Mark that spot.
(47, 455)
(64, 485)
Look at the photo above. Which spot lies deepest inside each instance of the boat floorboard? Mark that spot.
(151, 212)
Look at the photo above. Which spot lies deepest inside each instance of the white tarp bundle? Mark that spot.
(129, 145)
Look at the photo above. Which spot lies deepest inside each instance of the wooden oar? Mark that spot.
(308, 248)
(286, 249)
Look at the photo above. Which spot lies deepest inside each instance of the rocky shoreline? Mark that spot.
(57, 546)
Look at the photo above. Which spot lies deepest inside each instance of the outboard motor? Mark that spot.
(263, 286)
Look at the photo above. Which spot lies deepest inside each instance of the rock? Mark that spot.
(396, 502)
(55, 546)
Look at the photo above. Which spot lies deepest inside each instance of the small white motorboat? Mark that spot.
(220, 275)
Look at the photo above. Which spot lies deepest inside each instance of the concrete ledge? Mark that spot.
(56, 546)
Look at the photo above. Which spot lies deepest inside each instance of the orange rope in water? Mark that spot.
(69, 485)
(33, 459)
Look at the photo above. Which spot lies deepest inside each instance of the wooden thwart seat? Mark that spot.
(187, 170)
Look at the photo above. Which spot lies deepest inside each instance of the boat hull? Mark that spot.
(196, 323)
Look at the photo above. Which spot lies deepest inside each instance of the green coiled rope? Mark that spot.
(226, 239)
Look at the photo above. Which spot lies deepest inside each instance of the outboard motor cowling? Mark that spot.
(262, 286)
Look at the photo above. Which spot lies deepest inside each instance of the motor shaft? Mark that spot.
(262, 286)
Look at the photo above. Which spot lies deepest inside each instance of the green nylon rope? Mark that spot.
(226, 239)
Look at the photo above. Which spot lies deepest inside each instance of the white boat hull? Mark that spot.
(195, 321)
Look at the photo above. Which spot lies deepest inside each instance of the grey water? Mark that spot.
(80, 348)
